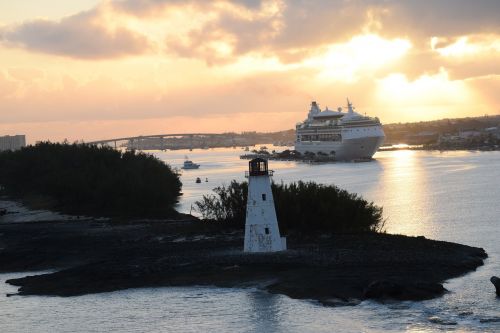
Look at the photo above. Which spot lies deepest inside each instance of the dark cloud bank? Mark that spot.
(76, 36)
(303, 24)
(292, 33)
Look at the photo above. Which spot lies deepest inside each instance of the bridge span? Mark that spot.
(167, 141)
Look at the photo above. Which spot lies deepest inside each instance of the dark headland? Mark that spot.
(337, 253)
(92, 257)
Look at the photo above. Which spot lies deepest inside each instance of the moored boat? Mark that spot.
(188, 164)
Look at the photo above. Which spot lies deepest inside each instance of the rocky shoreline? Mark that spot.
(101, 256)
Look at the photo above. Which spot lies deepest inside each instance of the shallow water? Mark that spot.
(452, 196)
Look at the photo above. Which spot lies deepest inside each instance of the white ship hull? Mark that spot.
(338, 135)
(345, 150)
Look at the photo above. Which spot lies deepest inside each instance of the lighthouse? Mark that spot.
(261, 226)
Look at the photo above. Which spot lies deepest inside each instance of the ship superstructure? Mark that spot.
(337, 134)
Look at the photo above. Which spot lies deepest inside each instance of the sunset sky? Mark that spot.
(89, 69)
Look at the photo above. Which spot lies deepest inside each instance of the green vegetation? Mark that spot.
(300, 206)
(91, 180)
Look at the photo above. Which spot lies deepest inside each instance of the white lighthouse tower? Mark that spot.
(261, 226)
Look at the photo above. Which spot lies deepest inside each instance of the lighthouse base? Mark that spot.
(261, 238)
(261, 225)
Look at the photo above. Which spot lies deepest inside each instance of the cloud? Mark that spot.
(273, 27)
(110, 99)
(309, 24)
(7, 87)
(478, 57)
(268, 55)
(153, 7)
(229, 30)
(25, 74)
(220, 31)
(83, 36)
(293, 30)
(488, 87)
(445, 18)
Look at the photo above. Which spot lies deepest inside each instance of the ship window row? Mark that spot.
(362, 129)
(321, 137)
(359, 124)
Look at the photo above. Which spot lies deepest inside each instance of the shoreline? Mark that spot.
(99, 256)
(328, 159)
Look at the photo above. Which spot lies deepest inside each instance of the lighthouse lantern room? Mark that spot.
(261, 225)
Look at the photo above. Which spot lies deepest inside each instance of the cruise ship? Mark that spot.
(339, 135)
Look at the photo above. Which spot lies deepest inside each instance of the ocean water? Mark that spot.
(453, 196)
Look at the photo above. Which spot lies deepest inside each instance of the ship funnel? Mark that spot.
(314, 110)
(349, 106)
(315, 107)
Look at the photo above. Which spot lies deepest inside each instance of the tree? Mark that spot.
(91, 180)
(308, 207)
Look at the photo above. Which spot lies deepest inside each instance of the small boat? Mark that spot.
(198, 180)
(188, 164)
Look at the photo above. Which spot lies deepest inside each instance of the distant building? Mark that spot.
(12, 142)
(495, 131)
(423, 137)
(467, 134)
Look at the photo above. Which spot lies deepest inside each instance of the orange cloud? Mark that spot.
(83, 35)
(226, 65)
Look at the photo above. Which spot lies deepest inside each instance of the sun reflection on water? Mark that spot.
(404, 183)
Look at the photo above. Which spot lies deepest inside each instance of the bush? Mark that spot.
(91, 180)
(289, 154)
(299, 206)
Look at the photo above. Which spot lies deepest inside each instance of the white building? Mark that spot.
(12, 142)
(467, 134)
(495, 131)
(261, 225)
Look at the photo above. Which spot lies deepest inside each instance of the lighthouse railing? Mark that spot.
(269, 173)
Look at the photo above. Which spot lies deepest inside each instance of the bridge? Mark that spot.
(165, 141)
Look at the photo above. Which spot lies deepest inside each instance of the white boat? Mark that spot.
(340, 135)
(188, 164)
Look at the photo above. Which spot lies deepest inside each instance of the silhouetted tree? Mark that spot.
(299, 206)
(91, 180)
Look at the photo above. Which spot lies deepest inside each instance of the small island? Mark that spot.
(337, 254)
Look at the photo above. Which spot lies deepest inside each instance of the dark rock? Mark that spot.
(382, 289)
(403, 290)
(3, 211)
(98, 256)
(340, 302)
(496, 282)
(490, 320)
(465, 313)
(441, 321)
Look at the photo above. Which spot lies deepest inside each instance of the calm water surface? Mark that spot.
(452, 196)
